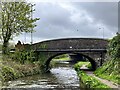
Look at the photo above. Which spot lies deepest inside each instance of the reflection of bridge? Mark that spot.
(91, 48)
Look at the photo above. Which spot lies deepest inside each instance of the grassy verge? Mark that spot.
(80, 64)
(11, 70)
(113, 78)
(89, 66)
(109, 71)
(90, 82)
(86, 80)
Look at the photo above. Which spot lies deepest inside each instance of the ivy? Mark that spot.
(114, 47)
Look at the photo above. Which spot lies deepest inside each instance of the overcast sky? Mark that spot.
(73, 19)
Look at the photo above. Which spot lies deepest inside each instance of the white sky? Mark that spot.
(67, 19)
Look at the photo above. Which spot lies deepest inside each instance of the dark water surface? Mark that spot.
(62, 77)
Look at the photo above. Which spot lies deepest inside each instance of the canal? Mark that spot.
(61, 76)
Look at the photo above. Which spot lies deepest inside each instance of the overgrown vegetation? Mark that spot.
(23, 56)
(89, 66)
(18, 64)
(11, 69)
(110, 70)
(90, 81)
(86, 80)
(16, 19)
(80, 64)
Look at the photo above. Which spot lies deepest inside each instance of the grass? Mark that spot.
(80, 64)
(11, 70)
(90, 81)
(89, 66)
(113, 75)
(113, 78)
(109, 71)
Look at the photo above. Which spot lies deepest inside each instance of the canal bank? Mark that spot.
(11, 70)
(62, 77)
(89, 80)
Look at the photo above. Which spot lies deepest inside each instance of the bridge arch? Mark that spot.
(92, 48)
(91, 60)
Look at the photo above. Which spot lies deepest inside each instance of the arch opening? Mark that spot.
(92, 62)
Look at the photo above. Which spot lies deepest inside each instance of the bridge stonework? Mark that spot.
(73, 43)
(92, 48)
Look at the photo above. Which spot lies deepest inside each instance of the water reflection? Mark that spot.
(61, 77)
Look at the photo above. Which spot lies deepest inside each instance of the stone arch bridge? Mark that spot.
(93, 49)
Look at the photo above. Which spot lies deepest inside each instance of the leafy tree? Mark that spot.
(16, 18)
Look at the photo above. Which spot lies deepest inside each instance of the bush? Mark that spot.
(23, 56)
(7, 73)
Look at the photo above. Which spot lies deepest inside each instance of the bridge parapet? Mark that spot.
(73, 43)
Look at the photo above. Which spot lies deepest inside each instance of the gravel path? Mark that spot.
(109, 83)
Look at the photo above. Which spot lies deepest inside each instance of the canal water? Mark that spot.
(61, 77)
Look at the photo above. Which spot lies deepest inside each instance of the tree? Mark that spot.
(16, 18)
